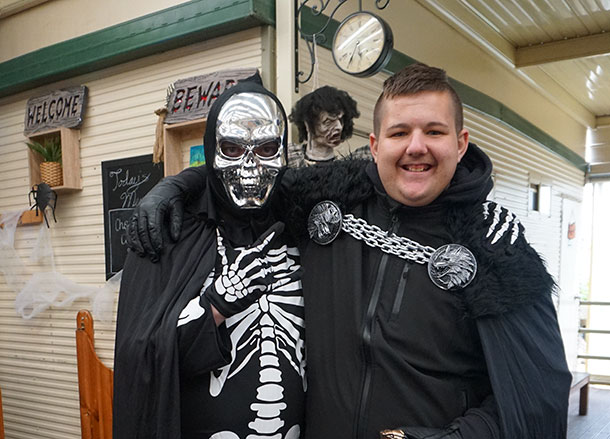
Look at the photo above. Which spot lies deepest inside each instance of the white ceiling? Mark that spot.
(555, 44)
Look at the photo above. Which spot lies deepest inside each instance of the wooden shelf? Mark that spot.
(173, 137)
(70, 158)
(29, 217)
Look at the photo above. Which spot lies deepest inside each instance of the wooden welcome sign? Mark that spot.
(62, 108)
(191, 98)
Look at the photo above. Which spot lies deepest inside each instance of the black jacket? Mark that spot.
(386, 348)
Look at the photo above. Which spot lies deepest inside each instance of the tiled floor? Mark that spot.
(596, 424)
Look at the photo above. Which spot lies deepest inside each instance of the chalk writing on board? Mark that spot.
(118, 219)
(127, 185)
(124, 182)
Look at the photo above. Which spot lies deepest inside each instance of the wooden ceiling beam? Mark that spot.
(602, 121)
(12, 7)
(561, 50)
(599, 171)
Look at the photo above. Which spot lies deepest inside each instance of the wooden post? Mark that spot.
(580, 383)
(95, 383)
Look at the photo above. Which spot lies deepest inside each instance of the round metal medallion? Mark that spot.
(324, 223)
(452, 267)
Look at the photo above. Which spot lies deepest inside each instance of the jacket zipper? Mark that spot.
(401, 291)
(367, 334)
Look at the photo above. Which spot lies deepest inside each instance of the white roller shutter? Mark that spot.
(37, 357)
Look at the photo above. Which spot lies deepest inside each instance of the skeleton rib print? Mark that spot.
(267, 333)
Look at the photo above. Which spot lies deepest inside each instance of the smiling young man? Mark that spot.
(418, 141)
(428, 314)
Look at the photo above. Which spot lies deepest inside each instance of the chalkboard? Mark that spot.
(124, 183)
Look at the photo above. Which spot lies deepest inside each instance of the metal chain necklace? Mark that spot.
(450, 267)
(393, 244)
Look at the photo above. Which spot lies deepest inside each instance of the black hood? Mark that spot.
(252, 84)
(472, 180)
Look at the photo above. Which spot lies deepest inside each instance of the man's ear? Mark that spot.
(373, 144)
(462, 143)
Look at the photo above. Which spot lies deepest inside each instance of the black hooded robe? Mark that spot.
(162, 372)
(146, 401)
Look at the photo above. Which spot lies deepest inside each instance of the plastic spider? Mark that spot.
(43, 196)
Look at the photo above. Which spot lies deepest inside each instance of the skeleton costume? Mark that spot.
(389, 348)
(178, 375)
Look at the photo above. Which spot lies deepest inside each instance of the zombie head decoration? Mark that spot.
(245, 144)
(328, 129)
(325, 117)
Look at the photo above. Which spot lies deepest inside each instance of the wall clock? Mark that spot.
(362, 45)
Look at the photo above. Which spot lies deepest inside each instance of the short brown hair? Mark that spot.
(414, 79)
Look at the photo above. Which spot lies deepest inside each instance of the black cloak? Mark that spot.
(146, 400)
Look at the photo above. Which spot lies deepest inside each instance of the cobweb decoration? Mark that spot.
(47, 287)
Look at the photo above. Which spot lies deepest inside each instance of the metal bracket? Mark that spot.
(318, 36)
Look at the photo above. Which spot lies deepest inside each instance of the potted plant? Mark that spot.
(50, 167)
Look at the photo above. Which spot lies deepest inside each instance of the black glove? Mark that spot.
(450, 432)
(164, 202)
(245, 274)
(145, 227)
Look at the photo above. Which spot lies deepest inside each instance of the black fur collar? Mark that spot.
(509, 275)
(343, 181)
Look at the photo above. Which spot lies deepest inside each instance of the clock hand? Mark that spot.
(353, 53)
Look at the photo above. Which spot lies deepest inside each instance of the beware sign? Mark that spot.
(191, 98)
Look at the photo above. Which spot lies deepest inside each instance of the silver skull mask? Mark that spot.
(249, 148)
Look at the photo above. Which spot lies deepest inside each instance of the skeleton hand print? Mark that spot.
(245, 274)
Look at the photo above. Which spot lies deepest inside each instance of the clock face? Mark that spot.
(361, 41)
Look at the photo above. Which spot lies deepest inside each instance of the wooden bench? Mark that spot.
(580, 382)
(95, 383)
